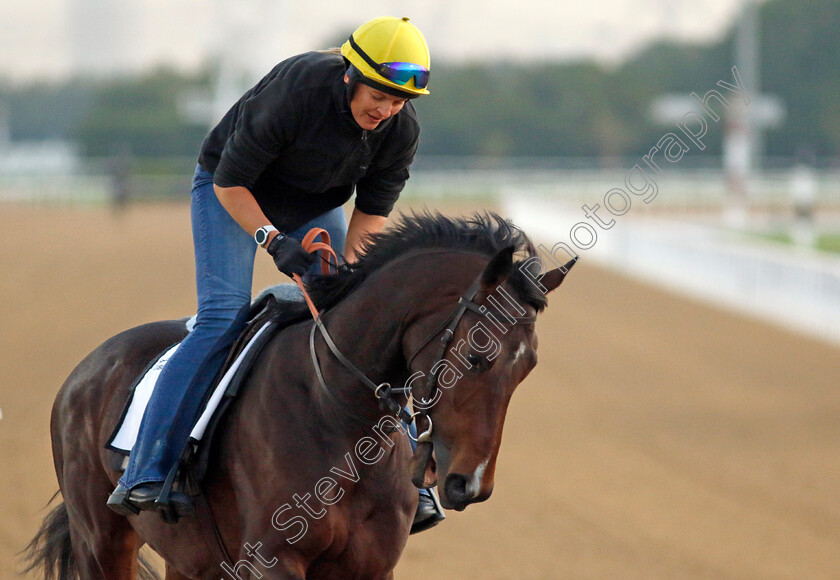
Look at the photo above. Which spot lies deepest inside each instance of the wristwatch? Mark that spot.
(261, 235)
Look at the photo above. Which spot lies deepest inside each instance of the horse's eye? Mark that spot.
(474, 360)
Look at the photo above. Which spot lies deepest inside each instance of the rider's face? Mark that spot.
(370, 106)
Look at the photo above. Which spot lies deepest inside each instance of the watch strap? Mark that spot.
(272, 247)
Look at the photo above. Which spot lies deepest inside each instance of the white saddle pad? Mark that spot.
(126, 435)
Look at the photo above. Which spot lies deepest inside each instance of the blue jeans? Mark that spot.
(224, 266)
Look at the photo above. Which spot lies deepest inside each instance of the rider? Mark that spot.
(283, 160)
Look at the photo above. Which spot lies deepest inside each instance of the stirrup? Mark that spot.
(173, 505)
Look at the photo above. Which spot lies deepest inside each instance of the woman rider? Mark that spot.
(283, 160)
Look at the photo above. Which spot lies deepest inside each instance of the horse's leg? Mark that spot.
(104, 543)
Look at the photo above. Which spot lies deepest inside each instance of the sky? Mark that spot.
(55, 38)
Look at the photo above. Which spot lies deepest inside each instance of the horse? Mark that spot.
(308, 476)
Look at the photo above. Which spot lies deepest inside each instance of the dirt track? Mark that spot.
(657, 438)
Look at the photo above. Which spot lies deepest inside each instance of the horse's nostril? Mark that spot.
(456, 487)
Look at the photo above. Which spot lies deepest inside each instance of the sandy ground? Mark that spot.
(657, 438)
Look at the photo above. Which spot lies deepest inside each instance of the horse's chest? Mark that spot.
(345, 518)
(371, 548)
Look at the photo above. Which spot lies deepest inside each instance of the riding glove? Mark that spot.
(289, 256)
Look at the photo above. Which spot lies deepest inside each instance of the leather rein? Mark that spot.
(384, 392)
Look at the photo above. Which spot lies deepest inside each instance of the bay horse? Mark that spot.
(305, 482)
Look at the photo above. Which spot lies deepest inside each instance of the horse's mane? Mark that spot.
(482, 233)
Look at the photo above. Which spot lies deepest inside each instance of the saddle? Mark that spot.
(268, 316)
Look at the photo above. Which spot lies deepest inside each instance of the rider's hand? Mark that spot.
(289, 256)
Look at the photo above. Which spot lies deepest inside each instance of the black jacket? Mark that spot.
(293, 142)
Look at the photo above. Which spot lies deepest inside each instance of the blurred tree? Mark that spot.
(143, 115)
(800, 62)
(47, 110)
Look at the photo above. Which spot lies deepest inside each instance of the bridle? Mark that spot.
(465, 302)
(385, 392)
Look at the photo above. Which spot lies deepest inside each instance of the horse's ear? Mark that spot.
(499, 268)
(553, 278)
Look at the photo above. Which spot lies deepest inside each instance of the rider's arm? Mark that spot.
(241, 205)
(361, 225)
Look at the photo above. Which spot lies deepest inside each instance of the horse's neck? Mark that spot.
(371, 322)
(367, 328)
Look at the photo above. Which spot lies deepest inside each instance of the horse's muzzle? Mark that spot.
(459, 491)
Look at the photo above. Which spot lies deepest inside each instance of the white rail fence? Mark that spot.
(793, 287)
(679, 188)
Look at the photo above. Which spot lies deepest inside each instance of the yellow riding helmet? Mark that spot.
(391, 52)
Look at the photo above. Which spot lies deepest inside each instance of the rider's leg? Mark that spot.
(224, 255)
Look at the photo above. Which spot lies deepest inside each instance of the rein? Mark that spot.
(310, 245)
(384, 392)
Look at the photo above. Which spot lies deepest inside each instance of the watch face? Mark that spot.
(260, 236)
